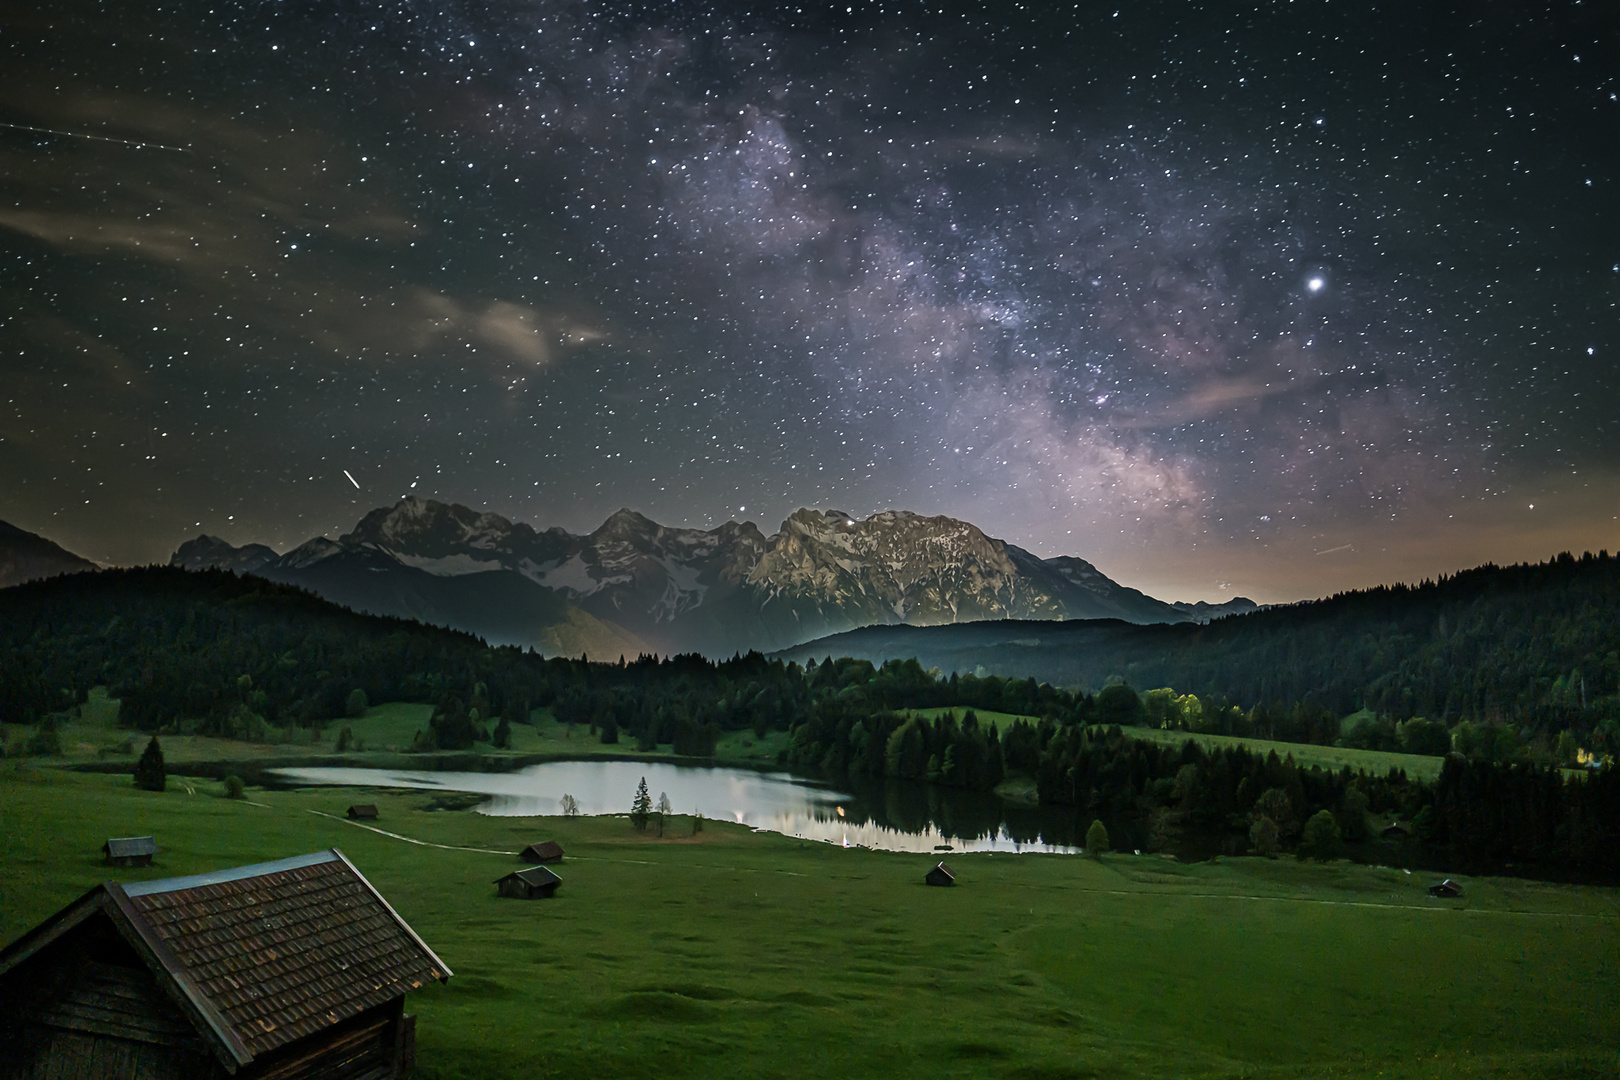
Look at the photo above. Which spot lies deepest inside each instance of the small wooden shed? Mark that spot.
(294, 968)
(363, 812)
(535, 883)
(940, 875)
(1396, 832)
(1446, 889)
(129, 850)
(547, 851)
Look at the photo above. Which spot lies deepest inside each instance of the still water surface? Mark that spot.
(892, 817)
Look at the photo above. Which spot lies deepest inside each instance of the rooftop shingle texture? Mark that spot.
(285, 954)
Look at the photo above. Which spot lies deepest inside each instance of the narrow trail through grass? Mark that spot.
(514, 854)
(407, 839)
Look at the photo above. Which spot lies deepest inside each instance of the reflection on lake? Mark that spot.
(891, 816)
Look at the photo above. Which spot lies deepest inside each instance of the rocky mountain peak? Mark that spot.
(309, 552)
(26, 556)
(207, 552)
(626, 524)
(427, 528)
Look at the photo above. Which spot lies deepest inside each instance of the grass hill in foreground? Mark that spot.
(734, 954)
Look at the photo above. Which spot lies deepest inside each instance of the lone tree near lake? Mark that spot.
(570, 806)
(1096, 839)
(664, 810)
(641, 808)
(150, 774)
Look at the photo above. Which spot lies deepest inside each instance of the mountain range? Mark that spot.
(633, 585)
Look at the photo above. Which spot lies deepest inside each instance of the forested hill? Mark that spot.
(1531, 645)
(174, 644)
(211, 652)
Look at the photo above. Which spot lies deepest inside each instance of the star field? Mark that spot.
(1269, 297)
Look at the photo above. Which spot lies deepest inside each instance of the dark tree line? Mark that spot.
(1477, 816)
(1532, 648)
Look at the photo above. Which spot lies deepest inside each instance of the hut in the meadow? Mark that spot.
(363, 812)
(941, 875)
(547, 851)
(129, 850)
(1395, 832)
(1446, 889)
(535, 883)
(296, 968)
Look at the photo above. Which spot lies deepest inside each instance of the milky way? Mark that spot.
(1274, 298)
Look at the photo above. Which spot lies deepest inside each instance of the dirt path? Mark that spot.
(513, 854)
(409, 839)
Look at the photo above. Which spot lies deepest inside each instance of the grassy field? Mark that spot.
(740, 954)
(1418, 766)
(91, 734)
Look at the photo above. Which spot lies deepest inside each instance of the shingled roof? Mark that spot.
(259, 956)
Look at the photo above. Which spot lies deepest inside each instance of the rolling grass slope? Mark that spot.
(739, 954)
(91, 733)
(1376, 762)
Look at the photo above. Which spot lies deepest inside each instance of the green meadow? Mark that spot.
(731, 953)
(91, 734)
(1377, 762)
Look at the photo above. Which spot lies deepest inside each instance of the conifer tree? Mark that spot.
(641, 808)
(150, 775)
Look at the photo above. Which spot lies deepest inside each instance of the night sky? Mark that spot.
(1263, 298)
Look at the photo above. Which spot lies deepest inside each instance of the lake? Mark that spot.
(892, 816)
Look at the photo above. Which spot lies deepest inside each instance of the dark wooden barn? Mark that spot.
(549, 851)
(288, 970)
(363, 812)
(1396, 832)
(130, 850)
(941, 875)
(535, 883)
(1446, 889)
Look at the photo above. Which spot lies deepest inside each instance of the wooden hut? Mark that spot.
(549, 851)
(1447, 889)
(535, 883)
(940, 875)
(363, 812)
(1396, 832)
(295, 968)
(129, 850)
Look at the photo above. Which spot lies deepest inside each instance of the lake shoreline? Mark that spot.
(255, 770)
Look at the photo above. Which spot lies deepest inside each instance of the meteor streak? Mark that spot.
(98, 138)
(352, 480)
